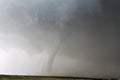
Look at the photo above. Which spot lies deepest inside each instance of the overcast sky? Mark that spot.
(83, 36)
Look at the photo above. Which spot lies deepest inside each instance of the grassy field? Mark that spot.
(8, 77)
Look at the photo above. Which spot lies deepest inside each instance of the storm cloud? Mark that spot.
(60, 37)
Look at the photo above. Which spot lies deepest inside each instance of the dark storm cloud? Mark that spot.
(82, 37)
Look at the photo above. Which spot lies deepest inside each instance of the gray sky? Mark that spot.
(82, 34)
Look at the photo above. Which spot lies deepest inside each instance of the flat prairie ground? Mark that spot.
(9, 77)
